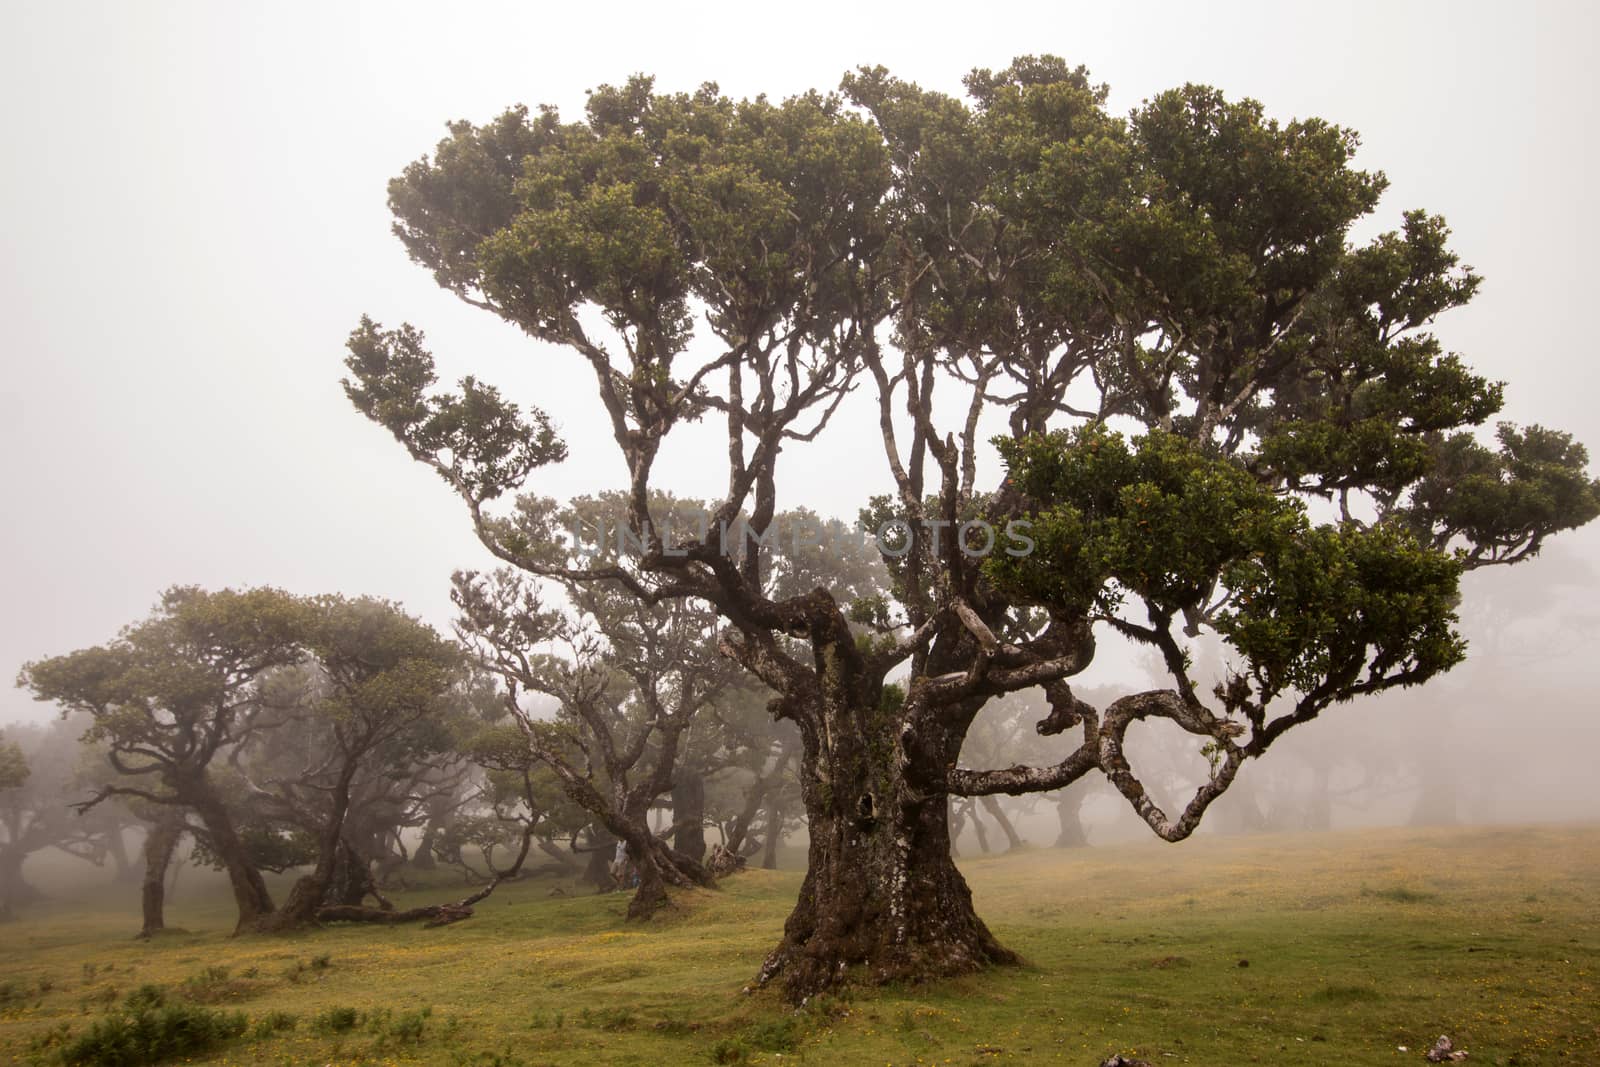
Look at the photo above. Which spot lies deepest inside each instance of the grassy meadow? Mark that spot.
(1316, 949)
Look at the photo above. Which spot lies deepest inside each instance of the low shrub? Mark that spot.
(335, 1021)
(153, 1035)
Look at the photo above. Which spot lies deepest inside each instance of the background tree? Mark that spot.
(261, 714)
(1219, 416)
(173, 693)
(40, 777)
(628, 681)
(385, 680)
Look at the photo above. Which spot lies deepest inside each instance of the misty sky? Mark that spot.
(194, 219)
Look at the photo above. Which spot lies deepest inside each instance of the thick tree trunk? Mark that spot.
(1069, 817)
(773, 836)
(310, 891)
(249, 889)
(597, 871)
(422, 859)
(689, 815)
(160, 842)
(14, 889)
(352, 878)
(658, 866)
(992, 806)
(882, 898)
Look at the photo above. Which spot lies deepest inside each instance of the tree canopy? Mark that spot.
(1221, 415)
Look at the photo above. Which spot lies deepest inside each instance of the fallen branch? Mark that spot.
(435, 914)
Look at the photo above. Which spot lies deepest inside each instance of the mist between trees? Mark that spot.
(1233, 448)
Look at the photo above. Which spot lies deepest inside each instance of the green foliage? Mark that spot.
(153, 1034)
(774, 1035)
(13, 765)
(273, 1023)
(1337, 610)
(481, 443)
(336, 1020)
(214, 985)
(297, 971)
(160, 694)
(1501, 505)
(392, 1029)
(146, 997)
(269, 847)
(729, 1050)
(1160, 519)
(1328, 611)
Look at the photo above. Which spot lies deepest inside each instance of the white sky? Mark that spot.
(193, 219)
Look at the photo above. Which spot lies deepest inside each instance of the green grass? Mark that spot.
(1326, 949)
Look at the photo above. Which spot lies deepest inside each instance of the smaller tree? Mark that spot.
(630, 680)
(39, 772)
(258, 712)
(172, 693)
(383, 675)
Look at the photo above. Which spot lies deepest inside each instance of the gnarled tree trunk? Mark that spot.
(773, 836)
(14, 889)
(249, 888)
(689, 815)
(882, 898)
(310, 891)
(658, 865)
(991, 805)
(1069, 817)
(160, 842)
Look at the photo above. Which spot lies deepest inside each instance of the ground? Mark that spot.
(1315, 949)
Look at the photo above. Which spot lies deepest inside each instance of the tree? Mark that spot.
(633, 678)
(182, 700)
(40, 772)
(171, 694)
(386, 679)
(1219, 416)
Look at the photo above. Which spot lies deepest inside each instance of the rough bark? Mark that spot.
(658, 866)
(160, 843)
(250, 893)
(882, 898)
(773, 836)
(310, 891)
(689, 815)
(434, 914)
(352, 878)
(597, 870)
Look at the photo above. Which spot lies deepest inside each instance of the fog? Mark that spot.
(194, 219)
